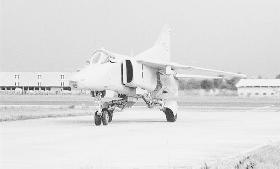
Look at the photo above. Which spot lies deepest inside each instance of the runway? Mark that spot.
(137, 138)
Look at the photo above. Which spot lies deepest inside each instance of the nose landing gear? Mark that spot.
(105, 117)
(105, 111)
(97, 119)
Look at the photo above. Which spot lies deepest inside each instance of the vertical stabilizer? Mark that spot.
(161, 49)
(163, 40)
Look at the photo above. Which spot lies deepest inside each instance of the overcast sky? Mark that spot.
(59, 35)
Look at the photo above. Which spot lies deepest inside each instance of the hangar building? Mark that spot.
(258, 87)
(34, 82)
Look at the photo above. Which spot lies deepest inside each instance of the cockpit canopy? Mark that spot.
(101, 57)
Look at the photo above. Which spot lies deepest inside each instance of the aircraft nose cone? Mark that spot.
(80, 79)
(95, 77)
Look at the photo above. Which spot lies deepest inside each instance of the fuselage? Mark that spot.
(118, 73)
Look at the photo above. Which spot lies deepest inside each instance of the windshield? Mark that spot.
(100, 57)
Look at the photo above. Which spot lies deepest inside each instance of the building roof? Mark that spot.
(258, 82)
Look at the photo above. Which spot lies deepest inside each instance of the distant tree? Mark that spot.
(225, 85)
(259, 77)
(277, 77)
(189, 84)
(218, 83)
(194, 84)
(207, 84)
(182, 84)
(232, 83)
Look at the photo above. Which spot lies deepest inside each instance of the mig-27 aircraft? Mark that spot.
(150, 76)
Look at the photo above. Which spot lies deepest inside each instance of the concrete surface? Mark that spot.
(137, 138)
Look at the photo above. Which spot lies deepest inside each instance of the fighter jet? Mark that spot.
(150, 76)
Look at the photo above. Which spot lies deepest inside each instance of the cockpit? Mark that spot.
(101, 57)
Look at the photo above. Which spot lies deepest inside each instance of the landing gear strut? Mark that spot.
(168, 107)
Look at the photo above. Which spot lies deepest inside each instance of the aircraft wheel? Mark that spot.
(97, 119)
(105, 116)
(170, 117)
(110, 116)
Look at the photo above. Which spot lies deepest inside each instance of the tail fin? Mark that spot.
(161, 49)
(164, 38)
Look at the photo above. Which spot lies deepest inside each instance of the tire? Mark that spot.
(170, 117)
(105, 116)
(110, 116)
(97, 119)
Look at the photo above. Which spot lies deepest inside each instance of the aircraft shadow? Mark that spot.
(90, 122)
(137, 121)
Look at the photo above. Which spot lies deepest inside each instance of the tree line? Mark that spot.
(229, 84)
(208, 84)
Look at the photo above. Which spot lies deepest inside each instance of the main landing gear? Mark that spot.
(168, 107)
(170, 116)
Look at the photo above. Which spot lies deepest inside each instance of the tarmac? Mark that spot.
(139, 138)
